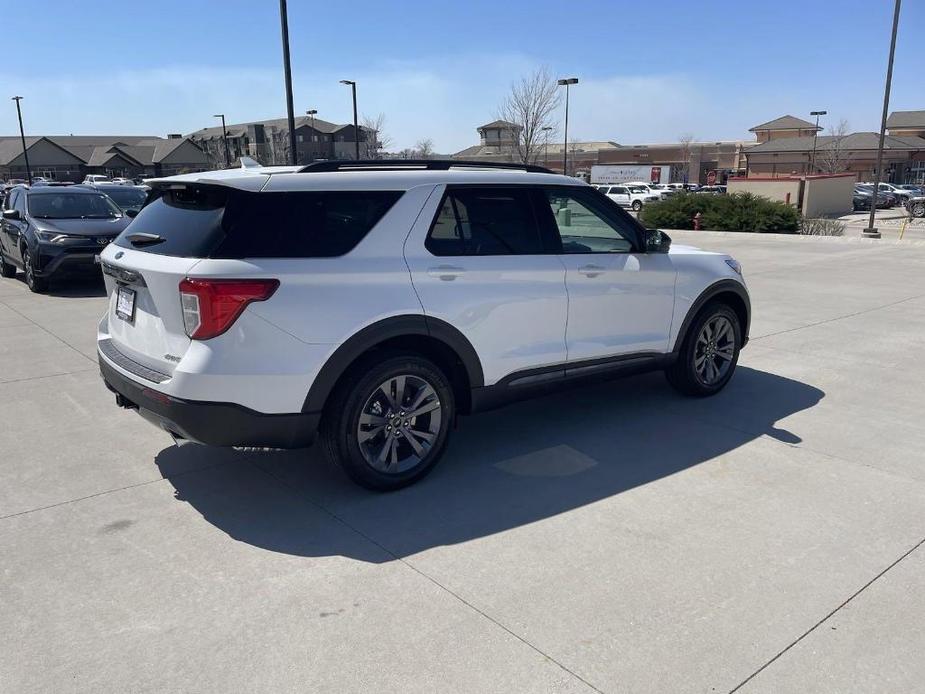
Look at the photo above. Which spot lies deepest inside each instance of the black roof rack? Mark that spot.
(415, 165)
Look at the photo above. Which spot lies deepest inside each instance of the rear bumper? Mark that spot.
(211, 423)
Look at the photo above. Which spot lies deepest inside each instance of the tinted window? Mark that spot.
(585, 225)
(72, 206)
(485, 221)
(11, 199)
(214, 222)
(128, 198)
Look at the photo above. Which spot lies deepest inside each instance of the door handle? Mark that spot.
(446, 272)
(591, 270)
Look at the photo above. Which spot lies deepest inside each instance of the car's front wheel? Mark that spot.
(35, 284)
(388, 423)
(709, 354)
(917, 209)
(7, 269)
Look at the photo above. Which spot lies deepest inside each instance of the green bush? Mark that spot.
(736, 212)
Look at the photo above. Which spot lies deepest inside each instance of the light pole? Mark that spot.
(224, 139)
(812, 161)
(546, 130)
(871, 231)
(22, 136)
(311, 114)
(287, 70)
(566, 81)
(356, 129)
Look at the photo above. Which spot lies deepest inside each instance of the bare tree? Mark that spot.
(831, 155)
(376, 138)
(683, 170)
(530, 107)
(424, 149)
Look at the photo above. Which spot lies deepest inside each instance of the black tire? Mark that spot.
(35, 284)
(359, 394)
(684, 374)
(7, 269)
(917, 209)
(637, 205)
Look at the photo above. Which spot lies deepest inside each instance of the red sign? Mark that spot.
(656, 175)
(711, 178)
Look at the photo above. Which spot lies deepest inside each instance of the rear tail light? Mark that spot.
(210, 307)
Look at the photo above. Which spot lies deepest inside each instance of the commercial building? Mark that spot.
(71, 157)
(267, 141)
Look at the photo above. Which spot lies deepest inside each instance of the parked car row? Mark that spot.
(49, 230)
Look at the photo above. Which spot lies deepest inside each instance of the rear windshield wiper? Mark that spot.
(142, 239)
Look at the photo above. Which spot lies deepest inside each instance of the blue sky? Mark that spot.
(649, 71)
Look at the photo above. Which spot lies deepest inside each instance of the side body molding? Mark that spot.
(379, 332)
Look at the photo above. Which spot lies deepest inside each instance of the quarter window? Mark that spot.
(485, 221)
(584, 226)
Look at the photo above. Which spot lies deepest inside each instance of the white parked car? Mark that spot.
(376, 305)
(653, 189)
(93, 179)
(630, 196)
(122, 181)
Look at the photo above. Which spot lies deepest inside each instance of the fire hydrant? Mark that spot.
(697, 218)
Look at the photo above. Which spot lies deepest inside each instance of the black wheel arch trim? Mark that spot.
(377, 333)
(706, 295)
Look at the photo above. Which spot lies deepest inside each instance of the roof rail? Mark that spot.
(415, 165)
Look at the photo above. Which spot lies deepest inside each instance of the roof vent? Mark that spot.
(174, 136)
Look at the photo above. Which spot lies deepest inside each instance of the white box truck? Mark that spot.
(625, 173)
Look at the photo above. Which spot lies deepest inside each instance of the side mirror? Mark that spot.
(12, 215)
(657, 241)
(131, 213)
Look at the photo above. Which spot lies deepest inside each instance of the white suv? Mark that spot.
(372, 303)
(627, 195)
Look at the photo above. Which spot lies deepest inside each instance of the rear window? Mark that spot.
(212, 222)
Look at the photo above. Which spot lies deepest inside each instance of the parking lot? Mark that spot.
(615, 539)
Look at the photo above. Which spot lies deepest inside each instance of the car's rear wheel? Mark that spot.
(709, 354)
(388, 423)
(917, 209)
(7, 269)
(637, 205)
(35, 284)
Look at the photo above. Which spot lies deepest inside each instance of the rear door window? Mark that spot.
(215, 222)
(485, 221)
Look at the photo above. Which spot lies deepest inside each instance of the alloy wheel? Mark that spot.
(399, 423)
(28, 269)
(714, 350)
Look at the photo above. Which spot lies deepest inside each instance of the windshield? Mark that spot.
(72, 206)
(129, 198)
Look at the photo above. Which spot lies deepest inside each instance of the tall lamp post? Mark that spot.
(812, 164)
(871, 231)
(287, 70)
(224, 139)
(546, 130)
(22, 136)
(566, 81)
(311, 114)
(356, 129)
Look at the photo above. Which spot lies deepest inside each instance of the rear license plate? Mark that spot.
(125, 303)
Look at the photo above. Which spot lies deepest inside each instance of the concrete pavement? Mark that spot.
(616, 539)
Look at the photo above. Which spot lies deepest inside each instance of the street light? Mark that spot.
(224, 138)
(546, 130)
(22, 136)
(566, 81)
(287, 70)
(812, 165)
(871, 231)
(311, 114)
(356, 129)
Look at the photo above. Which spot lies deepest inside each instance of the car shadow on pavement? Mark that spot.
(503, 469)
(78, 287)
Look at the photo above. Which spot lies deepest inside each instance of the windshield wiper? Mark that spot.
(142, 239)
